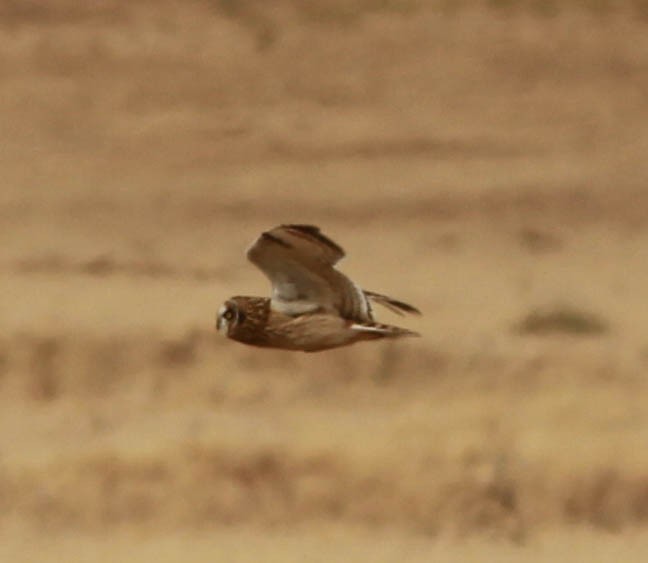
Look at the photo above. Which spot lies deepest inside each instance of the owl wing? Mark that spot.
(300, 263)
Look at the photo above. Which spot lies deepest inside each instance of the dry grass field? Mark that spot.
(483, 160)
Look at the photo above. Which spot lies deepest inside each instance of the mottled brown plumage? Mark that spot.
(313, 305)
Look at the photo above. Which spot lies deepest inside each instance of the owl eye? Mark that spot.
(228, 315)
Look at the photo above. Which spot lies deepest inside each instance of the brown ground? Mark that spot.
(484, 160)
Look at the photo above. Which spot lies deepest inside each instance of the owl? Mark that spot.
(313, 306)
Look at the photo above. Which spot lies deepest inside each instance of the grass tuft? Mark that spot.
(561, 320)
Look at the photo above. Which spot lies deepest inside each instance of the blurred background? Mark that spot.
(484, 160)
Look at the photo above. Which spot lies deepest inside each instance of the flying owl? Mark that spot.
(313, 306)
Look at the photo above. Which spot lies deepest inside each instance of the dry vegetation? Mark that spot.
(491, 153)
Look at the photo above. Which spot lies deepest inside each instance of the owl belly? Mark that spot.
(312, 333)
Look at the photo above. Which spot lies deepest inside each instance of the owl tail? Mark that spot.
(377, 330)
(393, 305)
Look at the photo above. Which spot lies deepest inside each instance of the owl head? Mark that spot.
(230, 316)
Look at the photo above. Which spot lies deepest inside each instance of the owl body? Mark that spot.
(251, 320)
(313, 306)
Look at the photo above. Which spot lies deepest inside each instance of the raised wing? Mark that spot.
(305, 240)
(299, 261)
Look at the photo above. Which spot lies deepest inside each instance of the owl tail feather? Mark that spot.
(377, 330)
(398, 307)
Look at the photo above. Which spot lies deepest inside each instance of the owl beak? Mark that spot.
(222, 325)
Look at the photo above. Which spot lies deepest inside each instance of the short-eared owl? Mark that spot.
(313, 305)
